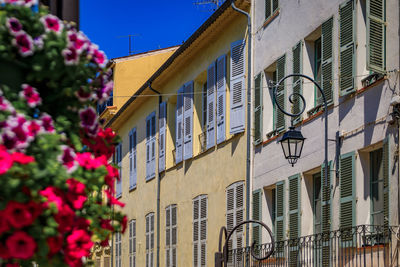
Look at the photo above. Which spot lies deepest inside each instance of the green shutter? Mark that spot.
(280, 95)
(258, 137)
(347, 47)
(376, 30)
(275, 5)
(257, 215)
(325, 215)
(268, 11)
(327, 59)
(280, 211)
(297, 81)
(385, 163)
(294, 218)
(347, 194)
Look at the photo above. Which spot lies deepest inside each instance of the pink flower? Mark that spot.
(67, 158)
(5, 105)
(29, 3)
(76, 193)
(22, 158)
(100, 58)
(13, 25)
(47, 123)
(53, 194)
(102, 94)
(77, 40)
(31, 95)
(21, 245)
(24, 43)
(71, 56)
(6, 161)
(34, 128)
(82, 94)
(78, 244)
(87, 161)
(18, 214)
(55, 244)
(88, 118)
(52, 24)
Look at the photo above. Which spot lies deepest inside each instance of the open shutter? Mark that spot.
(230, 217)
(376, 30)
(132, 159)
(188, 121)
(347, 192)
(347, 47)
(118, 156)
(153, 146)
(280, 94)
(148, 146)
(297, 81)
(386, 168)
(179, 127)
(237, 87)
(280, 211)
(258, 109)
(221, 96)
(162, 121)
(326, 214)
(327, 59)
(211, 79)
(257, 215)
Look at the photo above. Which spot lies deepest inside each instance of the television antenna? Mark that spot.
(130, 37)
(210, 5)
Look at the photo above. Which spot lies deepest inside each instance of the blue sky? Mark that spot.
(159, 23)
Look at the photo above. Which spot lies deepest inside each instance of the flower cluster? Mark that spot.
(57, 193)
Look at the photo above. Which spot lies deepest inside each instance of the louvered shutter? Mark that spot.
(148, 146)
(297, 81)
(327, 59)
(211, 79)
(171, 236)
(196, 227)
(153, 146)
(258, 109)
(221, 98)
(132, 159)
(347, 193)
(168, 236)
(179, 127)
(280, 211)
(200, 231)
(268, 6)
(230, 218)
(280, 94)
(118, 152)
(294, 218)
(203, 230)
(257, 215)
(152, 239)
(132, 243)
(347, 47)
(376, 30)
(386, 173)
(174, 233)
(237, 87)
(326, 214)
(188, 121)
(162, 121)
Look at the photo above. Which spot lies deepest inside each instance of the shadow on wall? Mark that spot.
(371, 104)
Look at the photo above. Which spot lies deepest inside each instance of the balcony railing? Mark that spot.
(107, 103)
(363, 245)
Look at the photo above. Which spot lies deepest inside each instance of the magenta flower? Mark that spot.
(88, 118)
(52, 24)
(5, 105)
(82, 95)
(100, 58)
(102, 94)
(67, 158)
(13, 25)
(47, 123)
(77, 40)
(71, 56)
(24, 43)
(31, 96)
(29, 3)
(34, 128)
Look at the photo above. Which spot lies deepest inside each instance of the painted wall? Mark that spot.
(363, 118)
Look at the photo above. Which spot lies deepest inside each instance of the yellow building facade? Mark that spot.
(183, 151)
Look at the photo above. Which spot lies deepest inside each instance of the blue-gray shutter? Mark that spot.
(347, 59)
(376, 31)
(297, 81)
(221, 98)
(132, 159)
(179, 127)
(327, 59)
(237, 87)
(150, 145)
(118, 152)
(211, 80)
(162, 121)
(258, 109)
(280, 94)
(188, 121)
(153, 145)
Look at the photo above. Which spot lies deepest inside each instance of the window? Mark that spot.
(117, 160)
(234, 216)
(150, 239)
(117, 250)
(271, 6)
(170, 236)
(132, 243)
(151, 146)
(317, 202)
(200, 231)
(132, 159)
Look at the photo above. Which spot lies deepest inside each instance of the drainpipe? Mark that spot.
(158, 185)
(248, 130)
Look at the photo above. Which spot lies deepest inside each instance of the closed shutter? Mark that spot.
(118, 156)
(280, 94)
(179, 127)
(294, 218)
(132, 243)
(221, 98)
(211, 79)
(258, 109)
(347, 195)
(280, 211)
(237, 87)
(297, 81)
(386, 173)
(196, 221)
(376, 30)
(132, 159)
(174, 235)
(257, 215)
(327, 59)
(188, 121)
(347, 47)
(200, 231)
(170, 236)
(162, 121)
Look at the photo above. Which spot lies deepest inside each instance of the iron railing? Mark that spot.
(363, 245)
(107, 103)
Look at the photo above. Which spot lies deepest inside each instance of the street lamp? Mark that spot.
(292, 141)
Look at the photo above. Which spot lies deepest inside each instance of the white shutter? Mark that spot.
(196, 219)
(174, 237)
(132, 243)
(132, 159)
(211, 105)
(188, 121)
(118, 156)
(203, 231)
(162, 121)
(221, 95)
(179, 127)
(153, 146)
(171, 236)
(237, 87)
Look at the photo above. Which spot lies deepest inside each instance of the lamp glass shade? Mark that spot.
(292, 145)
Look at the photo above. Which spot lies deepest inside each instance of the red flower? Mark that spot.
(35, 209)
(4, 253)
(53, 194)
(21, 245)
(12, 265)
(6, 161)
(18, 214)
(76, 193)
(21, 158)
(72, 261)
(106, 224)
(78, 244)
(65, 218)
(55, 244)
(87, 161)
(124, 223)
(105, 243)
(4, 226)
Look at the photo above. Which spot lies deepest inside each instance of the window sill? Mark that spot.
(271, 18)
(150, 178)
(118, 196)
(132, 188)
